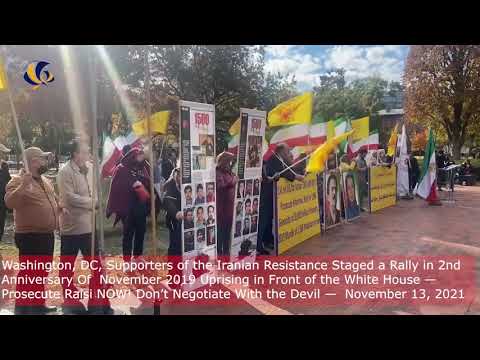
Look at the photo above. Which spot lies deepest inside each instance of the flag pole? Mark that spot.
(14, 113)
(97, 195)
(151, 155)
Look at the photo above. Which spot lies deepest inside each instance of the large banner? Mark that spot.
(383, 187)
(297, 213)
(351, 195)
(332, 204)
(197, 156)
(249, 171)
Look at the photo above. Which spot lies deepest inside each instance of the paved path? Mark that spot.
(409, 228)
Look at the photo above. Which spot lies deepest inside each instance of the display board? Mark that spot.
(382, 187)
(247, 191)
(297, 215)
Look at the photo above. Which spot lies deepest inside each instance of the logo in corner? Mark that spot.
(36, 74)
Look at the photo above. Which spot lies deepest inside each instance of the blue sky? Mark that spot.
(306, 62)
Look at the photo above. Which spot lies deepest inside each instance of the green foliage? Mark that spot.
(335, 98)
(228, 76)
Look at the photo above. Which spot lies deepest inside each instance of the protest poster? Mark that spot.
(332, 203)
(382, 187)
(297, 215)
(247, 191)
(197, 158)
(351, 195)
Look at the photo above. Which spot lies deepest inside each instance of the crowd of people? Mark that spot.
(39, 210)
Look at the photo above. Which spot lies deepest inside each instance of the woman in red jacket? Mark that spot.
(226, 181)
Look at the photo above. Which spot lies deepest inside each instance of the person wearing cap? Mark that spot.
(226, 181)
(129, 200)
(4, 179)
(35, 211)
(75, 181)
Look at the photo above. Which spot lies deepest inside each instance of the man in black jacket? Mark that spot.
(4, 179)
(279, 161)
(174, 215)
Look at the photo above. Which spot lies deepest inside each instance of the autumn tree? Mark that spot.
(442, 84)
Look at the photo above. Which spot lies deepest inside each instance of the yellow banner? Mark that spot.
(383, 187)
(3, 76)
(298, 215)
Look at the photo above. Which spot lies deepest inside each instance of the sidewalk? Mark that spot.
(409, 228)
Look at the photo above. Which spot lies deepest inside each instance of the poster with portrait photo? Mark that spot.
(198, 177)
(187, 196)
(255, 205)
(188, 218)
(351, 195)
(211, 214)
(246, 225)
(200, 219)
(200, 239)
(239, 210)
(210, 235)
(199, 159)
(197, 132)
(249, 187)
(256, 186)
(238, 229)
(247, 206)
(189, 240)
(199, 194)
(210, 192)
(240, 189)
(249, 171)
(207, 144)
(254, 224)
(254, 151)
(332, 207)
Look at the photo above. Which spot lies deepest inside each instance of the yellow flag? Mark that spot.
(392, 143)
(158, 124)
(317, 160)
(3, 77)
(297, 110)
(362, 128)
(235, 128)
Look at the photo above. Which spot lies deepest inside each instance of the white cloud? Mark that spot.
(358, 61)
(289, 59)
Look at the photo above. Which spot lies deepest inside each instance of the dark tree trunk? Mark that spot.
(456, 147)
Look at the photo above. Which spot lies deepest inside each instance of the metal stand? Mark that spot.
(450, 183)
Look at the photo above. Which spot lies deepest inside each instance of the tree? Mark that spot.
(335, 98)
(443, 89)
(419, 141)
(227, 76)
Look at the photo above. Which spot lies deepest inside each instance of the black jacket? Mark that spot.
(172, 203)
(4, 179)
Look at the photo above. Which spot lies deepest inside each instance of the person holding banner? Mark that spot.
(35, 210)
(279, 162)
(226, 182)
(129, 200)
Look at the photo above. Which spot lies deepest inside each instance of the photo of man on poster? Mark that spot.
(352, 209)
(332, 214)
